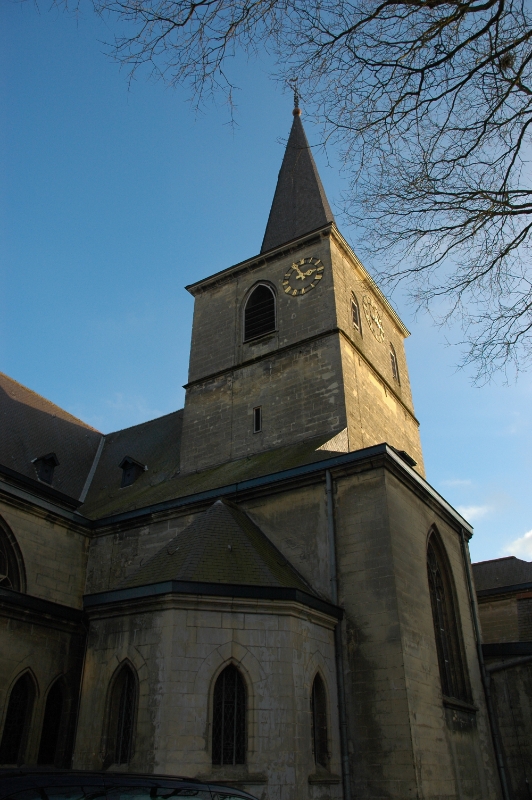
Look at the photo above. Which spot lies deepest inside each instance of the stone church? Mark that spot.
(260, 589)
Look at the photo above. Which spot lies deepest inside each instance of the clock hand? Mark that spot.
(300, 275)
(309, 272)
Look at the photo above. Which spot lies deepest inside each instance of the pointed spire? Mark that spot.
(299, 203)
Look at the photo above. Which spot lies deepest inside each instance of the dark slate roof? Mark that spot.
(499, 572)
(299, 203)
(106, 498)
(223, 545)
(155, 444)
(32, 426)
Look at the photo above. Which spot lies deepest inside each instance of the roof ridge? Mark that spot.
(146, 422)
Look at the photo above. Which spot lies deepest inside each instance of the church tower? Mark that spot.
(297, 344)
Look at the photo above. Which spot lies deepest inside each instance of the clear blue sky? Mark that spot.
(114, 198)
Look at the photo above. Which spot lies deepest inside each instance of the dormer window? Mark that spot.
(44, 467)
(131, 470)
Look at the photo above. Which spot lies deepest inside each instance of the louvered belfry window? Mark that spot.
(17, 721)
(229, 718)
(259, 314)
(122, 712)
(318, 704)
(449, 646)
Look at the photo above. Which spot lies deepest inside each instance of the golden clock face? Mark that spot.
(373, 317)
(303, 276)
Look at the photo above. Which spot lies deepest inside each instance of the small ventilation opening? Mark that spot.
(131, 470)
(257, 419)
(259, 316)
(44, 466)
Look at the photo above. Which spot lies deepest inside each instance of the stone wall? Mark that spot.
(54, 553)
(498, 619)
(178, 648)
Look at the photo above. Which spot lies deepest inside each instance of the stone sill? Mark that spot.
(324, 778)
(239, 778)
(461, 705)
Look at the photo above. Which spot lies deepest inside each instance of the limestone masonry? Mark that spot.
(261, 589)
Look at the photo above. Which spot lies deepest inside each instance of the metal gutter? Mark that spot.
(344, 460)
(213, 590)
(514, 588)
(40, 606)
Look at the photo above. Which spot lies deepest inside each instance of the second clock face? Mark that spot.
(303, 276)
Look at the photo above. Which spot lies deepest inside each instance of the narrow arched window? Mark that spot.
(11, 567)
(355, 314)
(17, 721)
(395, 364)
(229, 718)
(122, 715)
(318, 706)
(447, 632)
(51, 726)
(259, 314)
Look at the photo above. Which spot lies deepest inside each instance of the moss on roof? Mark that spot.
(223, 545)
(162, 481)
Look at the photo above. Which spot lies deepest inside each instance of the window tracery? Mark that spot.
(449, 646)
(229, 718)
(122, 714)
(11, 567)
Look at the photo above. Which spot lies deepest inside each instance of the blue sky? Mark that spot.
(116, 196)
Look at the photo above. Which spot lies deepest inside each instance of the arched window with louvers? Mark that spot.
(447, 629)
(318, 708)
(122, 716)
(259, 312)
(229, 712)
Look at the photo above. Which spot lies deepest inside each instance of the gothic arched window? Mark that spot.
(259, 314)
(229, 718)
(17, 721)
(395, 364)
(51, 726)
(355, 314)
(122, 715)
(11, 566)
(454, 682)
(318, 707)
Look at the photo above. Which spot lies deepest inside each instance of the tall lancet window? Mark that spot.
(229, 718)
(259, 314)
(11, 566)
(318, 707)
(17, 721)
(449, 646)
(122, 715)
(51, 726)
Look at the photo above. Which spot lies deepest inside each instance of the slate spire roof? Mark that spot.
(222, 545)
(299, 203)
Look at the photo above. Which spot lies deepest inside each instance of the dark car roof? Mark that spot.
(18, 780)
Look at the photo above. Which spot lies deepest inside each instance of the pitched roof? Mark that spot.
(33, 427)
(299, 203)
(223, 545)
(162, 481)
(499, 572)
(155, 443)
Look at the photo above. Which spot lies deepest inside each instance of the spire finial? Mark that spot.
(297, 111)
